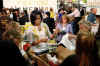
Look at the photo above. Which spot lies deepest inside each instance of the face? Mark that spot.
(94, 10)
(38, 20)
(64, 20)
(62, 11)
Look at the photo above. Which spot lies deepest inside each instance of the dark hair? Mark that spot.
(34, 15)
(48, 14)
(51, 9)
(60, 9)
(85, 49)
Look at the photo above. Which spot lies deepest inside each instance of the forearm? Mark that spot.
(36, 42)
(39, 41)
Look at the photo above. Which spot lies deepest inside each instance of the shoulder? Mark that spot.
(43, 24)
(27, 25)
(59, 24)
(91, 15)
(6, 43)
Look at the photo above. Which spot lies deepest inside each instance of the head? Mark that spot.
(70, 8)
(51, 9)
(47, 14)
(74, 7)
(94, 10)
(22, 14)
(84, 48)
(65, 19)
(12, 35)
(84, 25)
(61, 11)
(36, 18)
(12, 32)
(36, 8)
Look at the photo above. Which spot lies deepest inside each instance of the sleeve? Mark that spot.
(47, 30)
(73, 13)
(69, 28)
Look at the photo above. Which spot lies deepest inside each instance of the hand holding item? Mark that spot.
(36, 42)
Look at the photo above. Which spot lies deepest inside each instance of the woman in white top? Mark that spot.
(40, 32)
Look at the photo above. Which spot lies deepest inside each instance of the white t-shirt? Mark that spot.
(75, 13)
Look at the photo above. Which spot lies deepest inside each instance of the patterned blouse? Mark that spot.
(37, 35)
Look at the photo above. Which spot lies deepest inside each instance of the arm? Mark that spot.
(73, 13)
(39, 41)
(56, 31)
(69, 29)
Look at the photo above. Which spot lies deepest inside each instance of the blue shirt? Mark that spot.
(68, 29)
(92, 18)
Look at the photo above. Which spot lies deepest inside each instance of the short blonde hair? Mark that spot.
(67, 17)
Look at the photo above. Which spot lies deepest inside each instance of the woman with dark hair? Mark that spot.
(40, 31)
(34, 16)
(86, 52)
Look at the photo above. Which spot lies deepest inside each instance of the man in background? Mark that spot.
(92, 16)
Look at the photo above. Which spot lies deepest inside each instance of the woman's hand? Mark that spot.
(56, 31)
(44, 40)
(39, 41)
(51, 36)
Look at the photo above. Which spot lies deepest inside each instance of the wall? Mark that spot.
(30, 4)
(93, 4)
